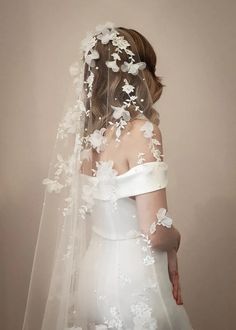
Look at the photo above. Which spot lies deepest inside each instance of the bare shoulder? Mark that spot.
(144, 128)
(144, 142)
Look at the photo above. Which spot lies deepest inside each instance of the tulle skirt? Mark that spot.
(125, 286)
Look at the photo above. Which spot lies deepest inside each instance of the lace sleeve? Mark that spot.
(146, 146)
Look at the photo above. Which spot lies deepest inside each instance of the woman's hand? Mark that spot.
(174, 275)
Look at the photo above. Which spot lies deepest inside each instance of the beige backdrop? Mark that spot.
(195, 44)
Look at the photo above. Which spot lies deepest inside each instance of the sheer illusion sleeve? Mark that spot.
(146, 147)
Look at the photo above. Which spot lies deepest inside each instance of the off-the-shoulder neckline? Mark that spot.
(132, 169)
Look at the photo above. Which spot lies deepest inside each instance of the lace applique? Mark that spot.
(62, 167)
(106, 176)
(124, 279)
(115, 321)
(148, 258)
(88, 193)
(162, 219)
(97, 139)
(147, 128)
(143, 316)
(141, 159)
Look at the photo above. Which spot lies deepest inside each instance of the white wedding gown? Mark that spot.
(123, 283)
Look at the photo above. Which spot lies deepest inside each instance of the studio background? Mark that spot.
(196, 51)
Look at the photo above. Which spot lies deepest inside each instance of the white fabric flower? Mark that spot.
(133, 67)
(128, 88)
(112, 65)
(105, 170)
(120, 42)
(116, 56)
(121, 112)
(107, 25)
(163, 219)
(97, 139)
(147, 128)
(88, 43)
(89, 59)
(106, 35)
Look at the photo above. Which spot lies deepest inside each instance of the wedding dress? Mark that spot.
(129, 285)
(94, 266)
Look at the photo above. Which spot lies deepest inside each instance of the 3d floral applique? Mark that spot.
(105, 170)
(128, 88)
(90, 59)
(112, 65)
(147, 130)
(106, 176)
(121, 112)
(133, 68)
(162, 219)
(97, 139)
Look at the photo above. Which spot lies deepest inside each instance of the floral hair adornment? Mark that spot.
(106, 33)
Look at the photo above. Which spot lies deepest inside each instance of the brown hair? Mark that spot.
(144, 52)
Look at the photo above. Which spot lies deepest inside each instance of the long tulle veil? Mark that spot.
(64, 230)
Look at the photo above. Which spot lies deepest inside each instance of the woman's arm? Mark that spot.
(163, 238)
(149, 203)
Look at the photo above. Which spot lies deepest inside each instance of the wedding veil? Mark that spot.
(109, 90)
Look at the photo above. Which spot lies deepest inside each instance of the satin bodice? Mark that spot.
(114, 214)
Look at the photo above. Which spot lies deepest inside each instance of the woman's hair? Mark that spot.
(144, 52)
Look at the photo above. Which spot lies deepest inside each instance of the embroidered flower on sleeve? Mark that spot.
(162, 219)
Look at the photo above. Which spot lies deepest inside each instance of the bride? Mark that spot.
(106, 254)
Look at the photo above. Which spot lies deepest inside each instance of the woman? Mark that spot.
(111, 262)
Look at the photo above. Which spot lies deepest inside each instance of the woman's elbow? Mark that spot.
(166, 241)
